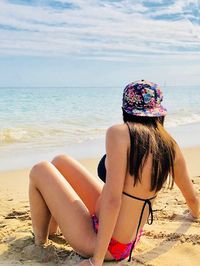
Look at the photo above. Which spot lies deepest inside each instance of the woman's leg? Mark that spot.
(86, 185)
(50, 194)
(83, 182)
(53, 227)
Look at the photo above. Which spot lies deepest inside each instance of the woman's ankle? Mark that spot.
(40, 241)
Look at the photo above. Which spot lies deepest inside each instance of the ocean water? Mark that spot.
(35, 122)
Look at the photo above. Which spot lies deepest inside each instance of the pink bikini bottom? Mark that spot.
(119, 251)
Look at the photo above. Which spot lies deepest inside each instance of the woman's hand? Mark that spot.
(88, 263)
(195, 207)
(189, 215)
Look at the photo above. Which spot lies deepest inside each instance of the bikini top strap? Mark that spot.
(134, 197)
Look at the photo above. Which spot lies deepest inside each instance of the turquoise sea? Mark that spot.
(37, 123)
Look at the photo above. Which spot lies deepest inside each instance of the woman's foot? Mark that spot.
(38, 241)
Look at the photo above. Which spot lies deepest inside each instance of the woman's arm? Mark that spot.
(184, 183)
(116, 156)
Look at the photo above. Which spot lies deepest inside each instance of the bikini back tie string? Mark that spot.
(149, 219)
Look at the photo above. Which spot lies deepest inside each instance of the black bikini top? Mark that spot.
(101, 170)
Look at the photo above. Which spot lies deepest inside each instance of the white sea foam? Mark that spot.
(175, 120)
(11, 135)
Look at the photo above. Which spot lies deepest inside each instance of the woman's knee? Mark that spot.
(61, 159)
(38, 169)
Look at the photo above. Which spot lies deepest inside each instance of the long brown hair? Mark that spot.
(148, 136)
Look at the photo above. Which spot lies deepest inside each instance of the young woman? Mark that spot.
(104, 221)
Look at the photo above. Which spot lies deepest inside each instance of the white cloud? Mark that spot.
(120, 30)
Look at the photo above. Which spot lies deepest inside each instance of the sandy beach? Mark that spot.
(173, 239)
(70, 70)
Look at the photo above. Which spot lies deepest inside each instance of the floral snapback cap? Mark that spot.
(143, 98)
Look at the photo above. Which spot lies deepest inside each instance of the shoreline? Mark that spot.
(87, 161)
(24, 156)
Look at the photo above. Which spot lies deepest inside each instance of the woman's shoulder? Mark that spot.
(116, 128)
(118, 131)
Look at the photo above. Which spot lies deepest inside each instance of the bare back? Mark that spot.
(130, 210)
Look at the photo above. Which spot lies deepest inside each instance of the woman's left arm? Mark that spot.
(116, 164)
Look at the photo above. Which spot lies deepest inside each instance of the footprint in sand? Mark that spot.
(47, 253)
(2, 224)
(20, 215)
(40, 253)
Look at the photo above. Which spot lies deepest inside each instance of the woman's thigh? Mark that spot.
(66, 206)
(87, 186)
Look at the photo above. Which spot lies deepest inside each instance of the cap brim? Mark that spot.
(155, 112)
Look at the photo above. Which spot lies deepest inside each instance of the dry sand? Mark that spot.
(172, 240)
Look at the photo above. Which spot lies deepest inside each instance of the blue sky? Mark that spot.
(99, 43)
